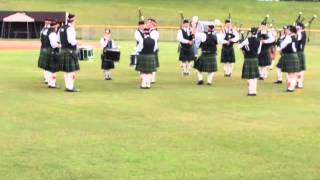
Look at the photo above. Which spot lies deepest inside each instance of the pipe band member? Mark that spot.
(251, 47)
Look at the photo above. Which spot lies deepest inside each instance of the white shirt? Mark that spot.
(245, 44)
(286, 41)
(140, 46)
(202, 37)
(180, 37)
(53, 38)
(104, 41)
(71, 35)
(154, 34)
(270, 39)
(137, 35)
(231, 31)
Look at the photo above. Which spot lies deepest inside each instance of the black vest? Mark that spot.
(141, 33)
(210, 45)
(44, 38)
(187, 37)
(301, 43)
(148, 46)
(289, 49)
(264, 37)
(108, 45)
(64, 38)
(228, 35)
(252, 52)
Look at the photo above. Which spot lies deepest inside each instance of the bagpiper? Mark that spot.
(185, 37)
(207, 62)
(228, 57)
(69, 62)
(267, 39)
(289, 57)
(146, 65)
(251, 47)
(154, 34)
(53, 51)
(301, 43)
(45, 44)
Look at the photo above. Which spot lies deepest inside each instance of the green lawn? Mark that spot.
(177, 130)
(124, 12)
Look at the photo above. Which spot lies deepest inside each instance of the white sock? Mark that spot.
(66, 80)
(153, 77)
(261, 72)
(71, 77)
(292, 81)
(184, 67)
(231, 68)
(189, 66)
(210, 77)
(300, 79)
(144, 80)
(265, 72)
(225, 68)
(279, 74)
(200, 76)
(149, 80)
(254, 86)
(52, 80)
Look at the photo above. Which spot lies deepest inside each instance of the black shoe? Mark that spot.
(72, 90)
(200, 82)
(278, 82)
(251, 94)
(288, 90)
(209, 84)
(261, 78)
(53, 87)
(108, 78)
(143, 87)
(153, 82)
(298, 87)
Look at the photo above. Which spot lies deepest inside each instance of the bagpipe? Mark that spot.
(140, 15)
(300, 20)
(309, 23)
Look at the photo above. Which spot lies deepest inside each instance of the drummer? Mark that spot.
(106, 64)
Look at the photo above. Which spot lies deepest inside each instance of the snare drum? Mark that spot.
(133, 59)
(112, 55)
(85, 53)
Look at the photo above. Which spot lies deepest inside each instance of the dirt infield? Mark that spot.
(33, 44)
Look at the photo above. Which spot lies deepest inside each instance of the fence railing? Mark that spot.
(167, 33)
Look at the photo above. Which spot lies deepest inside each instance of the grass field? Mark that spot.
(177, 130)
(124, 12)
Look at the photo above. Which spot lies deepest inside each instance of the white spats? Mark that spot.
(146, 80)
(228, 68)
(153, 79)
(279, 74)
(52, 79)
(292, 81)
(210, 77)
(107, 74)
(300, 78)
(252, 86)
(69, 80)
(46, 75)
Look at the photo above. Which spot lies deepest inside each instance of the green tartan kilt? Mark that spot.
(146, 63)
(68, 61)
(290, 63)
(48, 60)
(157, 60)
(228, 55)
(206, 63)
(186, 54)
(264, 58)
(279, 64)
(250, 69)
(43, 58)
(302, 61)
